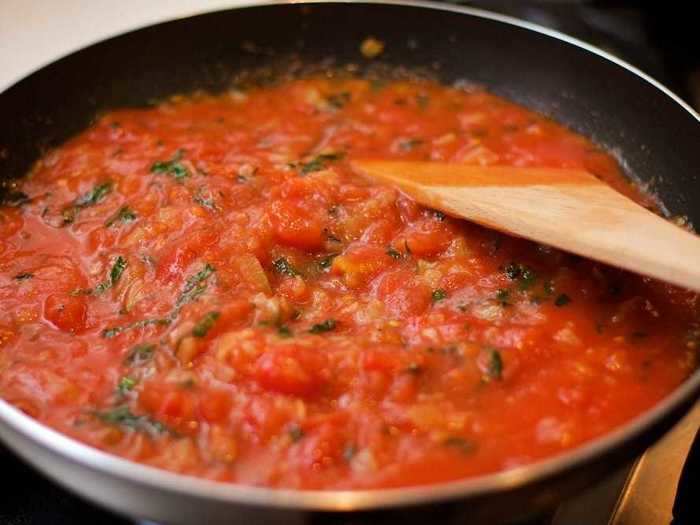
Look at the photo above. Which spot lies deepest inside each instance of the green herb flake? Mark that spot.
(284, 332)
(205, 201)
(23, 276)
(439, 295)
(502, 296)
(140, 354)
(527, 278)
(173, 167)
(117, 270)
(92, 197)
(465, 446)
(409, 144)
(377, 84)
(548, 287)
(319, 162)
(126, 384)
(394, 254)
(205, 324)
(115, 274)
(283, 267)
(422, 100)
(122, 416)
(339, 100)
(562, 300)
(326, 326)
(124, 215)
(194, 286)
(440, 216)
(494, 368)
(512, 271)
(114, 331)
(327, 261)
(109, 333)
(295, 433)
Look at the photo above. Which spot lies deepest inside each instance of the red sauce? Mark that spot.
(205, 286)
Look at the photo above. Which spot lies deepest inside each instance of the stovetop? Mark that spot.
(657, 39)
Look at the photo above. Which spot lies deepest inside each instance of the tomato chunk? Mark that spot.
(66, 312)
(292, 370)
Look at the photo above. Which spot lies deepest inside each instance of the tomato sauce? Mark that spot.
(206, 287)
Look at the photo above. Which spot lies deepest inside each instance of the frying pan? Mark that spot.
(654, 135)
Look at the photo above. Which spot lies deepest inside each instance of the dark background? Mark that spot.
(657, 37)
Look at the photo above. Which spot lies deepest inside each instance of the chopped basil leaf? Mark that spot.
(527, 278)
(339, 100)
(377, 84)
(283, 267)
(108, 333)
(117, 270)
(327, 261)
(123, 417)
(194, 286)
(123, 215)
(319, 162)
(95, 195)
(409, 144)
(394, 254)
(114, 331)
(439, 295)
(439, 215)
(205, 324)
(502, 297)
(284, 331)
(523, 274)
(295, 432)
(140, 354)
(205, 202)
(548, 287)
(422, 101)
(325, 326)
(23, 276)
(115, 273)
(126, 384)
(92, 197)
(562, 300)
(173, 167)
(463, 445)
(494, 368)
(512, 271)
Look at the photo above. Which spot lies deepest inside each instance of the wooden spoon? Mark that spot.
(569, 209)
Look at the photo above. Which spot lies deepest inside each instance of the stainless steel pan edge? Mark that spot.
(147, 492)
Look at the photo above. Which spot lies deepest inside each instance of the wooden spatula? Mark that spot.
(568, 209)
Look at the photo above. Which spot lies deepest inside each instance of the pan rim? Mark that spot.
(346, 500)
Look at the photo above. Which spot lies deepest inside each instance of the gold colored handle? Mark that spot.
(650, 491)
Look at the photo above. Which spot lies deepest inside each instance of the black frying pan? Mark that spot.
(654, 135)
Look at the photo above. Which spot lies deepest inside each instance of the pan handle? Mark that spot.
(658, 489)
